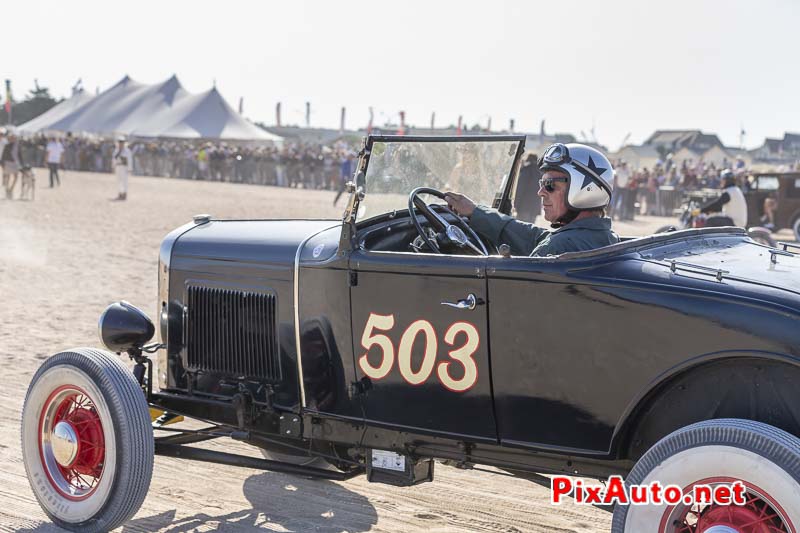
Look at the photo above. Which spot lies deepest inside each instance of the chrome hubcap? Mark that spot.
(64, 442)
(721, 529)
(72, 442)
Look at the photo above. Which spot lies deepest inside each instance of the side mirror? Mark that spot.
(124, 327)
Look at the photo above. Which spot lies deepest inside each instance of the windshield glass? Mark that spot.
(476, 168)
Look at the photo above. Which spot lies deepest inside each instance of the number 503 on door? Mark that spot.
(462, 339)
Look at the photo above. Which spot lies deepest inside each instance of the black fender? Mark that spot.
(759, 386)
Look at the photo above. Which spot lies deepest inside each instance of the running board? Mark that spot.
(223, 458)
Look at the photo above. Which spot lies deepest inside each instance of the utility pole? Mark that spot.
(8, 100)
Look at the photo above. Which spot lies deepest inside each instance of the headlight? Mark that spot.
(124, 327)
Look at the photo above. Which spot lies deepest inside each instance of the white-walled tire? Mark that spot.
(719, 451)
(87, 440)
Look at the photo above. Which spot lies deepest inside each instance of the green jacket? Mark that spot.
(526, 239)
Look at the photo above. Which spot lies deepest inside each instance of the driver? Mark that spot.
(575, 189)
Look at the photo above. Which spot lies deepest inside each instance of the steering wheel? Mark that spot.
(446, 232)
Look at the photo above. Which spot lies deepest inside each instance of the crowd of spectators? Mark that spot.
(310, 166)
(660, 190)
(638, 191)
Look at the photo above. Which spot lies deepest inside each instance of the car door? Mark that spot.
(551, 372)
(420, 342)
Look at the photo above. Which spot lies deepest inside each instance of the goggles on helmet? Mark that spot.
(556, 154)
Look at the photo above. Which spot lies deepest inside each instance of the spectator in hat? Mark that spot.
(123, 165)
(54, 157)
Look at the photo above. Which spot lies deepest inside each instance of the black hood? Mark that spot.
(248, 241)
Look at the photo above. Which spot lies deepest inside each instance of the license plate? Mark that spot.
(388, 460)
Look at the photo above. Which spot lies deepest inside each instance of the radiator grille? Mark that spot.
(232, 332)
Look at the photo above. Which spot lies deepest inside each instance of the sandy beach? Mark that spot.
(65, 256)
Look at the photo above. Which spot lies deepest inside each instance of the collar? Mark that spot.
(591, 223)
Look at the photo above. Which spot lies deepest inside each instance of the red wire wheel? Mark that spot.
(761, 513)
(71, 442)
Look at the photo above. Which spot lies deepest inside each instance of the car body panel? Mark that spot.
(252, 255)
(385, 287)
(326, 346)
(602, 333)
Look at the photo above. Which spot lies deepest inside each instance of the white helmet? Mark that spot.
(591, 176)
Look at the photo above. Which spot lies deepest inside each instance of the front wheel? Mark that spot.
(87, 440)
(765, 459)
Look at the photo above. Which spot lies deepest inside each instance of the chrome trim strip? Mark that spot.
(164, 271)
(297, 311)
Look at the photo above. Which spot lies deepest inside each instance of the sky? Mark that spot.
(612, 71)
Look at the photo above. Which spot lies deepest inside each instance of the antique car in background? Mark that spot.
(395, 336)
(689, 216)
(784, 188)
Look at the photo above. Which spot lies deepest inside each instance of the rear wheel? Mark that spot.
(714, 452)
(87, 442)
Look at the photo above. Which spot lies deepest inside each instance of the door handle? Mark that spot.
(470, 302)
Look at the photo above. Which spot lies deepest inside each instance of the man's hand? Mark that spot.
(459, 203)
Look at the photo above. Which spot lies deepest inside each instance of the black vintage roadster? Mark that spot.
(376, 344)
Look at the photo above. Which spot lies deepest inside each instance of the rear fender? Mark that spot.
(760, 386)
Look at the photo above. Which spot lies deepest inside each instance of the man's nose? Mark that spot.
(542, 191)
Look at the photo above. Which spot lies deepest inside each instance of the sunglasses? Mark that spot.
(548, 184)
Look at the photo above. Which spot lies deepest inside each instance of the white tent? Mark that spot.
(163, 110)
(104, 111)
(56, 113)
(201, 116)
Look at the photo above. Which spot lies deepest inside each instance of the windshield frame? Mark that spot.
(501, 202)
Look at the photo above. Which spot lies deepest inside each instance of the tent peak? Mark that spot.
(124, 81)
(170, 84)
(170, 88)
